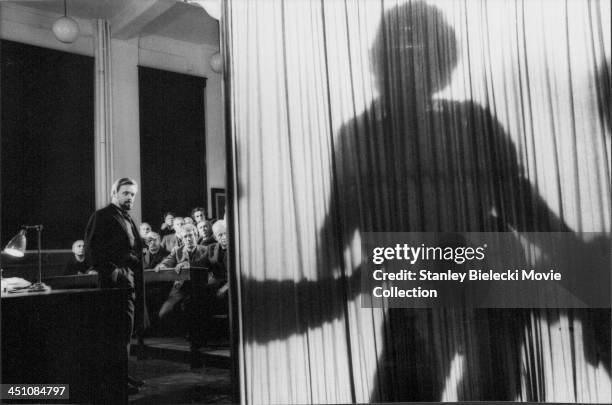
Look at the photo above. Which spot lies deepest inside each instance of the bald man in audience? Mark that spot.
(217, 258)
(78, 263)
(211, 299)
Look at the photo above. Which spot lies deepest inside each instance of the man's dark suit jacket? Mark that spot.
(211, 257)
(150, 260)
(107, 243)
(197, 258)
(74, 267)
(107, 246)
(217, 256)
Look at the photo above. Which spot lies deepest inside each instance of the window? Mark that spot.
(172, 143)
(47, 142)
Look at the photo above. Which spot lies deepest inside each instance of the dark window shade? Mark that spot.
(47, 143)
(172, 143)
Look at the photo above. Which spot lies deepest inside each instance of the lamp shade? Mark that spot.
(17, 246)
(66, 29)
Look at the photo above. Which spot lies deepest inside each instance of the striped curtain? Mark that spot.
(383, 115)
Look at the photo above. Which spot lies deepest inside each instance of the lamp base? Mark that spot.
(39, 287)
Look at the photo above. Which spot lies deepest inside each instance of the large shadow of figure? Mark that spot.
(413, 163)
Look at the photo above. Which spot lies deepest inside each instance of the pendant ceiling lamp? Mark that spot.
(216, 63)
(66, 29)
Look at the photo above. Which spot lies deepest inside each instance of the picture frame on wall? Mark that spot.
(217, 198)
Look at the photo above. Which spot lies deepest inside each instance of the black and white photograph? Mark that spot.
(305, 201)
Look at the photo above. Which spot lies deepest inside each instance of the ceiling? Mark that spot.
(168, 18)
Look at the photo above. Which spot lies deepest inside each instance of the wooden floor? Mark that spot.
(164, 366)
(177, 349)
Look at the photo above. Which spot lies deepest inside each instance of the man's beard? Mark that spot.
(126, 206)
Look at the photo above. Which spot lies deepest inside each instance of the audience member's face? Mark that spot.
(221, 237)
(188, 220)
(169, 220)
(204, 229)
(125, 196)
(153, 243)
(198, 216)
(78, 248)
(177, 223)
(144, 229)
(189, 239)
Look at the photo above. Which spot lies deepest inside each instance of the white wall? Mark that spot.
(30, 26)
(126, 126)
(21, 24)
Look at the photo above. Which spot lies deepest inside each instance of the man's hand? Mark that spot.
(223, 290)
(115, 274)
(181, 266)
(92, 272)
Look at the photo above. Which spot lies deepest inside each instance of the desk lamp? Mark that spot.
(17, 246)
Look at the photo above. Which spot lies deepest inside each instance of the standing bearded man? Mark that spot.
(115, 249)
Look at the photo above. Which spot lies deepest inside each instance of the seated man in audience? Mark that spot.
(166, 227)
(206, 234)
(78, 264)
(188, 220)
(214, 301)
(198, 214)
(170, 241)
(217, 257)
(154, 253)
(190, 293)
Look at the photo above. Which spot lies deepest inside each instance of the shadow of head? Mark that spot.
(415, 49)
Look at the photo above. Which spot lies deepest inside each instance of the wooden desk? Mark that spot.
(70, 282)
(91, 280)
(67, 337)
(151, 275)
